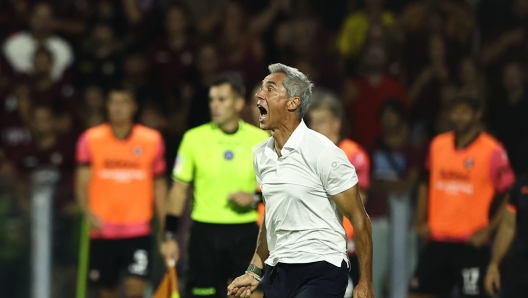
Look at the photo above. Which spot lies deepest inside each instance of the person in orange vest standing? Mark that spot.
(326, 116)
(119, 180)
(468, 168)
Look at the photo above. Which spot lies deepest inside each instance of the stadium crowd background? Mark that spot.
(59, 59)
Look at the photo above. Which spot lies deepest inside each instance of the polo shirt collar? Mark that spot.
(293, 142)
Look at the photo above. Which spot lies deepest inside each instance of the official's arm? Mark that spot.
(174, 209)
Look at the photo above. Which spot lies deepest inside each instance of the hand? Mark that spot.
(479, 238)
(423, 230)
(243, 199)
(94, 221)
(492, 280)
(363, 290)
(170, 251)
(243, 286)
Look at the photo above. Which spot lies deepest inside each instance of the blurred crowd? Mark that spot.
(60, 58)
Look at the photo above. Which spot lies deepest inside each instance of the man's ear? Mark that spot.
(239, 104)
(293, 103)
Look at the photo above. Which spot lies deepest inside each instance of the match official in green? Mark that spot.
(217, 158)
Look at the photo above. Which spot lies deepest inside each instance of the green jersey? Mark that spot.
(218, 164)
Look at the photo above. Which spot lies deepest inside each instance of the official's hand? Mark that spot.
(363, 290)
(243, 286)
(94, 221)
(423, 230)
(492, 280)
(241, 198)
(170, 251)
(479, 238)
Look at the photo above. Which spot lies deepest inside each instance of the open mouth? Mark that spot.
(263, 112)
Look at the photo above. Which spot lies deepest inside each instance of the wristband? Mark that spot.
(171, 223)
(257, 198)
(255, 269)
(258, 278)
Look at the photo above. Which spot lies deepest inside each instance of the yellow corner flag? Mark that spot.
(168, 288)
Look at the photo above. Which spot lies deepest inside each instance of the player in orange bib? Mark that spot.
(119, 179)
(326, 117)
(467, 169)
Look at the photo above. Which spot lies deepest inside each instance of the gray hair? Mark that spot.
(296, 83)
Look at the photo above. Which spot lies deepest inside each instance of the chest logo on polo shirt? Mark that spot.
(228, 155)
(468, 163)
(524, 190)
(137, 151)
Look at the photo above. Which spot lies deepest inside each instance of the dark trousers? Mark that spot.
(310, 280)
(515, 284)
(218, 252)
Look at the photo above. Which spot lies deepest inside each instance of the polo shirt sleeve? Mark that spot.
(501, 174)
(185, 161)
(158, 164)
(82, 154)
(335, 170)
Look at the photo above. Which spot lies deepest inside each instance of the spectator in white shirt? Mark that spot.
(20, 48)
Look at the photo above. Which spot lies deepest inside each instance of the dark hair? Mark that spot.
(38, 106)
(126, 91)
(474, 103)
(328, 102)
(233, 79)
(395, 105)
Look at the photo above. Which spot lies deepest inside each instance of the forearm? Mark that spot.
(160, 197)
(81, 189)
(421, 208)
(82, 200)
(502, 243)
(177, 196)
(499, 215)
(261, 251)
(363, 242)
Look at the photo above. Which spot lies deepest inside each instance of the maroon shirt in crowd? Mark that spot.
(390, 165)
(364, 110)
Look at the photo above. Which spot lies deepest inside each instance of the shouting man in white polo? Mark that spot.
(308, 184)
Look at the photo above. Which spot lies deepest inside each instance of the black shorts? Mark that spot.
(443, 265)
(109, 258)
(310, 280)
(515, 283)
(217, 253)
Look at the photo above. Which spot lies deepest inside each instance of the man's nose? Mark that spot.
(258, 95)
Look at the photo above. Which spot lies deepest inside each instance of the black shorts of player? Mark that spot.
(310, 280)
(110, 258)
(515, 283)
(218, 253)
(443, 265)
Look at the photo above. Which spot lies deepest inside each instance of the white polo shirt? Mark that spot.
(302, 220)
